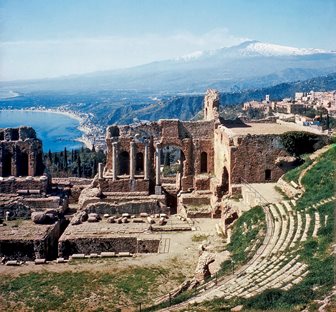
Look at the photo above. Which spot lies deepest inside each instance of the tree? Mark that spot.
(328, 121)
(50, 156)
(79, 166)
(65, 159)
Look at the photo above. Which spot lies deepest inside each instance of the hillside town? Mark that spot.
(312, 109)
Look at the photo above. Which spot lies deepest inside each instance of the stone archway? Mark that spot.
(172, 159)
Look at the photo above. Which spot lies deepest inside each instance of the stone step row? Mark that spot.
(271, 270)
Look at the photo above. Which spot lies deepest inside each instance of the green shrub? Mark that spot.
(299, 142)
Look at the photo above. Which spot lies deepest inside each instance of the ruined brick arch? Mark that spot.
(165, 150)
(124, 163)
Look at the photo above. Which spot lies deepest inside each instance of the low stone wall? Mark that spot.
(198, 214)
(89, 245)
(149, 245)
(124, 185)
(73, 186)
(202, 183)
(38, 204)
(195, 201)
(12, 185)
(16, 210)
(133, 208)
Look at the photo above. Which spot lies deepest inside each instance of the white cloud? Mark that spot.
(52, 58)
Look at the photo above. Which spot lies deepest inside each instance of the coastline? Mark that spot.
(83, 128)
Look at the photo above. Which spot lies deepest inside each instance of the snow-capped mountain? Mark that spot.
(268, 49)
(251, 49)
(251, 64)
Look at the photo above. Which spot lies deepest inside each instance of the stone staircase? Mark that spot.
(276, 263)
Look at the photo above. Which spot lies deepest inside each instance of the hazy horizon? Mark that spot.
(45, 39)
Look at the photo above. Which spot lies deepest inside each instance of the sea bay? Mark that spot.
(56, 130)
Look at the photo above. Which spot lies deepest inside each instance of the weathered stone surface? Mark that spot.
(202, 270)
(79, 217)
(30, 241)
(43, 217)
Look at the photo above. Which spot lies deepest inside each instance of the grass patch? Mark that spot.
(71, 291)
(319, 182)
(199, 237)
(281, 192)
(293, 175)
(247, 236)
(247, 229)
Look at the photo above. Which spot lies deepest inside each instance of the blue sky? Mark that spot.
(48, 38)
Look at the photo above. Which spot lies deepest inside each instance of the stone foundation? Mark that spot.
(88, 238)
(29, 241)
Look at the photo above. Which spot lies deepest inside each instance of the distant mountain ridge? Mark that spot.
(251, 64)
(186, 107)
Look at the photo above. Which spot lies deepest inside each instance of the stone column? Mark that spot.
(114, 161)
(14, 163)
(31, 163)
(158, 188)
(100, 170)
(146, 162)
(132, 160)
(157, 163)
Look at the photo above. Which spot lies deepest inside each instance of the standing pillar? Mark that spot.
(32, 163)
(158, 189)
(114, 161)
(157, 163)
(132, 160)
(14, 163)
(146, 162)
(100, 170)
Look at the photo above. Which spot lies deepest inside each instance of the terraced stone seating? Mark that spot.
(275, 264)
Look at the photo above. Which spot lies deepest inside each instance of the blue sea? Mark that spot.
(55, 130)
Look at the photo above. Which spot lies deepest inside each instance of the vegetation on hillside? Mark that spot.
(298, 143)
(293, 175)
(81, 163)
(247, 235)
